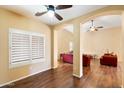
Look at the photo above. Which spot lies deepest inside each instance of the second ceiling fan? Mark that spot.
(93, 27)
(52, 9)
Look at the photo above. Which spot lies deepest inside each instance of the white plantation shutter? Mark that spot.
(20, 47)
(37, 47)
(42, 47)
(26, 47)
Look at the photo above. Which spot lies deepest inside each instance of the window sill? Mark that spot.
(24, 63)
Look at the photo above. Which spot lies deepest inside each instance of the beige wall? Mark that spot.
(12, 20)
(98, 42)
(64, 37)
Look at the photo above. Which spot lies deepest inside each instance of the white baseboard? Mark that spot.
(77, 76)
(23, 77)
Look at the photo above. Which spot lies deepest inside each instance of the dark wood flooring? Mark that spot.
(95, 76)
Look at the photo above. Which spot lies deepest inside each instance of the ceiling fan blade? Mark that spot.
(99, 27)
(58, 17)
(59, 7)
(96, 29)
(40, 14)
(46, 6)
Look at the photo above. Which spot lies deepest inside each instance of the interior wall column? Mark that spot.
(77, 53)
(54, 48)
(122, 47)
(122, 38)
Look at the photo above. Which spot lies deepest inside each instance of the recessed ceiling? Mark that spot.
(108, 21)
(67, 14)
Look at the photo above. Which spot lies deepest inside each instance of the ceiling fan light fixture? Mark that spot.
(51, 13)
(92, 28)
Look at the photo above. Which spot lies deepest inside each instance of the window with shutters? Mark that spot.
(25, 47)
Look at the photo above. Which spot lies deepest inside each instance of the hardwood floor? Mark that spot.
(95, 76)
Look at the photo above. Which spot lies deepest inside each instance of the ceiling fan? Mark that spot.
(51, 10)
(94, 28)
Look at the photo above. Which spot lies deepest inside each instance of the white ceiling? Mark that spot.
(67, 14)
(108, 21)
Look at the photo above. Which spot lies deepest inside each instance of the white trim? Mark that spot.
(24, 77)
(78, 76)
(54, 67)
(26, 32)
(14, 65)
